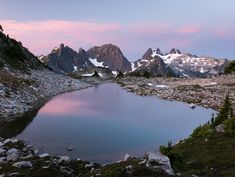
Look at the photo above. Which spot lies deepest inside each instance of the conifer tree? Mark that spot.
(225, 112)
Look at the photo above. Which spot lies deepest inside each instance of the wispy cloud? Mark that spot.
(190, 29)
(41, 36)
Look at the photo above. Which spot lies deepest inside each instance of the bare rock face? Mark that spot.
(66, 60)
(175, 51)
(111, 56)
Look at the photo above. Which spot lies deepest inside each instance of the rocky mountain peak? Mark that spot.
(148, 54)
(111, 56)
(81, 50)
(175, 51)
(158, 51)
(61, 46)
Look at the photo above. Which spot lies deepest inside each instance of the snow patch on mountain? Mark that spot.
(135, 65)
(96, 63)
(75, 68)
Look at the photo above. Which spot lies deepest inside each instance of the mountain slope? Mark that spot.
(14, 56)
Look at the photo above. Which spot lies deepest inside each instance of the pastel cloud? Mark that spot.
(224, 33)
(40, 36)
(133, 38)
(189, 29)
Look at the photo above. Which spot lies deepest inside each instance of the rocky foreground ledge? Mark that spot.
(208, 92)
(19, 159)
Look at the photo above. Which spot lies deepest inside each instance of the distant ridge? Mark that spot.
(63, 59)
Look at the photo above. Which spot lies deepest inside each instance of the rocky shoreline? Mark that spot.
(208, 92)
(21, 93)
(19, 159)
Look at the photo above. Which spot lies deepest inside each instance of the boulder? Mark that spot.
(23, 164)
(157, 160)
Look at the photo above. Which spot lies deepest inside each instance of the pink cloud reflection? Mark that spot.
(63, 107)
(68, 107)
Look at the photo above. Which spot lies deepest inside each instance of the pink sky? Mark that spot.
(42, 36)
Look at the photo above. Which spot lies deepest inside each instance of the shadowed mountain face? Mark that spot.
(152, 64)
(66, 60)
(111, 56)
(14, 56)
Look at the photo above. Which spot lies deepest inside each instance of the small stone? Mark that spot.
(14, 140)
(2, 160)
(44, 155)
(220, 128)
(7, 141)
(13, 174)
(28, 156)
(36, 151)
(23, 164)
(45, 167)
(89, 165)
(2, 151)
(142, 162)
(12, 151)
(70, 148)
(64, 159)
(92, 170)
(194, 176)
(129, 169)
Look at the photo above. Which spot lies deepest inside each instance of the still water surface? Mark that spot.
(104, 123)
